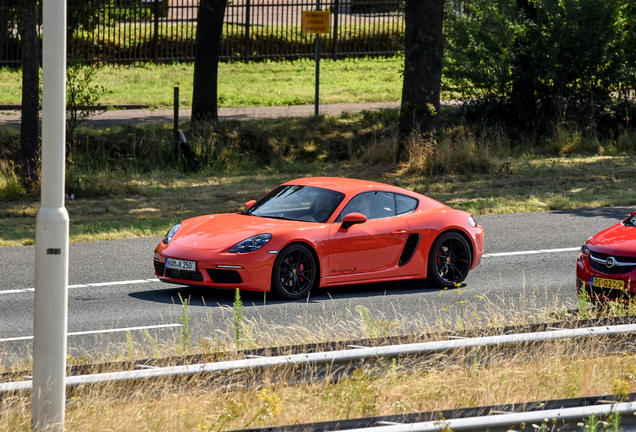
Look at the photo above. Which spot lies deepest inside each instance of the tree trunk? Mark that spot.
(30, 131)
(423, 55)
(523, 90)
(206, 60)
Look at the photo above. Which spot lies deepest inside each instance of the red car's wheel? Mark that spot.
(449, 260)
(294, 272)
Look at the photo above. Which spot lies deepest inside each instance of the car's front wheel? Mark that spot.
(295, 272)
(449, 260)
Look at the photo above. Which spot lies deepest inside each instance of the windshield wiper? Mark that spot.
(273, 217)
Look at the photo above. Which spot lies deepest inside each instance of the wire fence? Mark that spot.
(132, 31)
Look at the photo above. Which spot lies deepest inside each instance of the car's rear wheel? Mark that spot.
(449, 260)
(295, 272)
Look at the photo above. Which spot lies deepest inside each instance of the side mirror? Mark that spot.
(249, 204)
(352, 219)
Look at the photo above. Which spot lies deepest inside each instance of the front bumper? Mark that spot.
(585, 273)
(250, 271)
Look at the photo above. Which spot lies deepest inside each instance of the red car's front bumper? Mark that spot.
(607, 284)
(219, 270)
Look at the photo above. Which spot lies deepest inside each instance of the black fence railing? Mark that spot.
(130, 31)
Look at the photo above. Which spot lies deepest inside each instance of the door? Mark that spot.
(372, 245)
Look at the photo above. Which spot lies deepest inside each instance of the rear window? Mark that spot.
(404, 204)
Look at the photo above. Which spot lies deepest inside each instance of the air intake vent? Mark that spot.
(409, 249)
(225, 276)
(187, 275)
(159, 267)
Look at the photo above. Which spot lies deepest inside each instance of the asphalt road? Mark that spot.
(112, 287)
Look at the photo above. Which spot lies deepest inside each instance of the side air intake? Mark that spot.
(409, 249)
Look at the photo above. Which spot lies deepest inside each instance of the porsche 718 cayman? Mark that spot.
(320, 232)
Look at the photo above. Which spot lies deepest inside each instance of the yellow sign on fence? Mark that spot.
(315, 22)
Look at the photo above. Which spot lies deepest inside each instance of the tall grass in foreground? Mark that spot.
(220, 338)
(465, 378)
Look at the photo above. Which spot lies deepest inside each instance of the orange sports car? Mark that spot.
(320, 232)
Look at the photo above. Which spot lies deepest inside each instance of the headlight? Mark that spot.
(171, 233)
(472, 222)
(251, 244)
(584, 250)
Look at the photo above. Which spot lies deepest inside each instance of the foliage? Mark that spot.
(185, 338)
(238, 326)
(550, 61)
(11, 187)
(81, 96)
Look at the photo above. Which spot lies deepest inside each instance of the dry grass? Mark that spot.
(566, 369)
(125, 184)
(285, 396)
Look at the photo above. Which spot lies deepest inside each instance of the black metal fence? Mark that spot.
(130, 31)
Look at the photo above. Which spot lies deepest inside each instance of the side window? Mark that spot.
(404, 204)
(374, 205)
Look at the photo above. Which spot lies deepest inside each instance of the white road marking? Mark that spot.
(11, 291)
(541, 251)
(97, 332)
(139, 281)
(97, 284)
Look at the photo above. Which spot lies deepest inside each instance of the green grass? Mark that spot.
(253, 84)
(126, 183)
(146, 205)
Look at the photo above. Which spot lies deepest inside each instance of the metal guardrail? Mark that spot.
(556, 418)
(336, 357)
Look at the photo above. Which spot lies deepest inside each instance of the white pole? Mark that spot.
(51, 233)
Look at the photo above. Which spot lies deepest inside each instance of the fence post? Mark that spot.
(176, 125)
(317, 102)
(155, 40)
(247, 31)
(336, 11)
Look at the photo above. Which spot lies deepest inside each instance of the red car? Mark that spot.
(320, 232)
(607, 263)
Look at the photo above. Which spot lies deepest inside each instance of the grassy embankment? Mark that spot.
(463, 379)
(126, 185)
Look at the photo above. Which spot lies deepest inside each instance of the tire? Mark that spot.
(295, 272)
(449, 260)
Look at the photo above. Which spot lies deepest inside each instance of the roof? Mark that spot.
(344, 185)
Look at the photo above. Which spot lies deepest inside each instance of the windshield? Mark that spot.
(305, 203)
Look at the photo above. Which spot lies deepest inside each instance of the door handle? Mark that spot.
(402, 231)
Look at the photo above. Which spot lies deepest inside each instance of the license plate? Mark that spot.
(181, 264)
(616, 284)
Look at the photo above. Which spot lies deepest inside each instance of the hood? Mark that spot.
(221, 231)
(617, 240)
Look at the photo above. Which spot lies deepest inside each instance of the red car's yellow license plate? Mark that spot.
(616, 284)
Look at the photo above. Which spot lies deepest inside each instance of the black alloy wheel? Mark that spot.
(295, 272)
(449, 260)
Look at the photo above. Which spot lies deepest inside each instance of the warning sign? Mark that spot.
(315, 22)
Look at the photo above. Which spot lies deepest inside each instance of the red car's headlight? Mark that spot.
(251, 244)
(171, 233)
